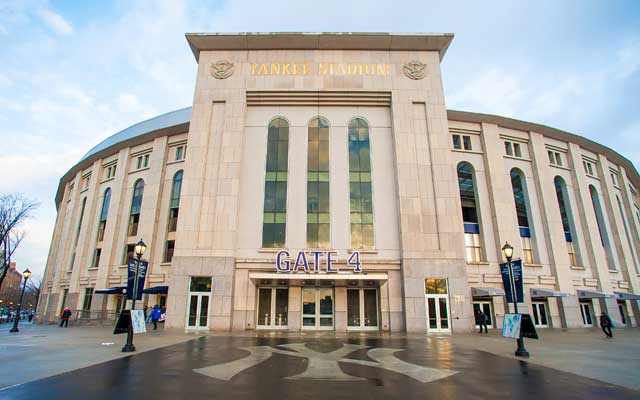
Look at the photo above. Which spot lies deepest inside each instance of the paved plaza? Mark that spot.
(49, 362)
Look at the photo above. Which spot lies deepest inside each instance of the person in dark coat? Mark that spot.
(481, 320)
(64, 317)
(606, 325)
(156, 313)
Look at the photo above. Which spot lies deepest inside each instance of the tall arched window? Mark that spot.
(520, 198)
(136, 204)
(360, 194)
(318, 235)
(104, 213)
(567, 218)
(627, 233)
(174, 206)
(275, 189)
(77, 235)
(602, 229)
(469, 212)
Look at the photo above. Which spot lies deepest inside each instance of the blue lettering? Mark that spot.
(316, 260)
(301, 260)
(330, 261)
(286, 262)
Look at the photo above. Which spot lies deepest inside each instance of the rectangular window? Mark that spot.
(86, 304)
(572, 254)
(139, 165)
(179, 153)
(318, 232)
(113, 171)
(129, 250)
(456, 142)
(473, 249)
(101, 226)
(588, 168)
(200, 284)
(559, 159)
(508, 148)
(134, 219)
(614, 179)
(516, 150)
(527, 250)
(168, 250)
(146, 160)
(173, 219)
(96, 258)
(551, 157)
(274, 220)
(466, 142)
(360, 192)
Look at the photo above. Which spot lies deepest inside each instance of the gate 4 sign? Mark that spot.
(315, 261)
(325, 366)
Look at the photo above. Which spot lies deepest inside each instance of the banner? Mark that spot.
(516, 266)
(511, 326)
(131, 272)
(137, 320)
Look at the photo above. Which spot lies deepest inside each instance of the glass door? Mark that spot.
(438, 313)
(199, 300)
(540, 315)
(622, 306)
(362, 309)
(485, 306)
(273, 306)
(317, 308)
(585, 310)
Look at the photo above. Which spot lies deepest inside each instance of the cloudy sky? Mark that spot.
(73, 73)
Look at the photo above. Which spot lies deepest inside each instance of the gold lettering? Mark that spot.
(322, 69)
(366, 69)
(275, 69)
(331, 68)
(379, 69)
(386, 69)
(263, 69)
(295, 68)
(253, 68)
(285, 69)
(341, 70)
(304, 68)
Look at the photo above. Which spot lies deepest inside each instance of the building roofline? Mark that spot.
(319, 41)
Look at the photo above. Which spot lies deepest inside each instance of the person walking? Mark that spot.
(66, 314)
(481, 320)
(606, 324)
(31, 316)
(156, 313)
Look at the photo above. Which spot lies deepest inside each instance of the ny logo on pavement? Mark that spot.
(324, 366)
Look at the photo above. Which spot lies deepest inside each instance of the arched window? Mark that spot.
(627, 233)
(469, 212)
(174, 207)
(360, 194)
(275, 189)
(174, 204)
(520, 199)
(136, 204)
(602, 229)
(103, 214)
(318, 184)
(565, 214)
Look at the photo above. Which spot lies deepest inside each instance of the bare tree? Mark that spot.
(32, 295)
(14, 210)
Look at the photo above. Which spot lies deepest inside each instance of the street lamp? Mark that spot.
(507, 252)
(139, 250)
(26, 275)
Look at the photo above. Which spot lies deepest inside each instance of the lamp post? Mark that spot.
(507, 252)
(139, 250)
(26, 275)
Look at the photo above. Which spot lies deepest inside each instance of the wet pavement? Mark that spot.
(231, 367)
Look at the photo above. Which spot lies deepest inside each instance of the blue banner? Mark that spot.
(516, 266)
(131, 272)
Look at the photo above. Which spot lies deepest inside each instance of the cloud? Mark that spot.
(54, 21)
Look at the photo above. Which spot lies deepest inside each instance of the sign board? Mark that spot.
(315, 261)
(137, 320)
(516, 266)
(511, 326)
(527, 328)
(124, 320)
(131, 272)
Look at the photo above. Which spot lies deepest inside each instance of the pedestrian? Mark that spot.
(481, 320)
(145, 311)
(606, 324)
(66, 314)
(156, 313)
(31, 316)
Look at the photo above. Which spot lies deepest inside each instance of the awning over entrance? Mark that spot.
(257, 276)
(588, 294)
(113, 290)
(627, 296)
(486, 292)
(157, 290)
(547, 293)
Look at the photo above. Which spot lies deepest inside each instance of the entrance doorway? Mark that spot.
(540, 316)
(622, 306)
(199, 299)
(437, 305)
(485, 307)
(587, 316)
(362, 309)
(273, 306)
(317, 308)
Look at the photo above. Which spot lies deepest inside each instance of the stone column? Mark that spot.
(340, 317)
(295, 308)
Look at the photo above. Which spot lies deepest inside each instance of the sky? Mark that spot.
(75, 72)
